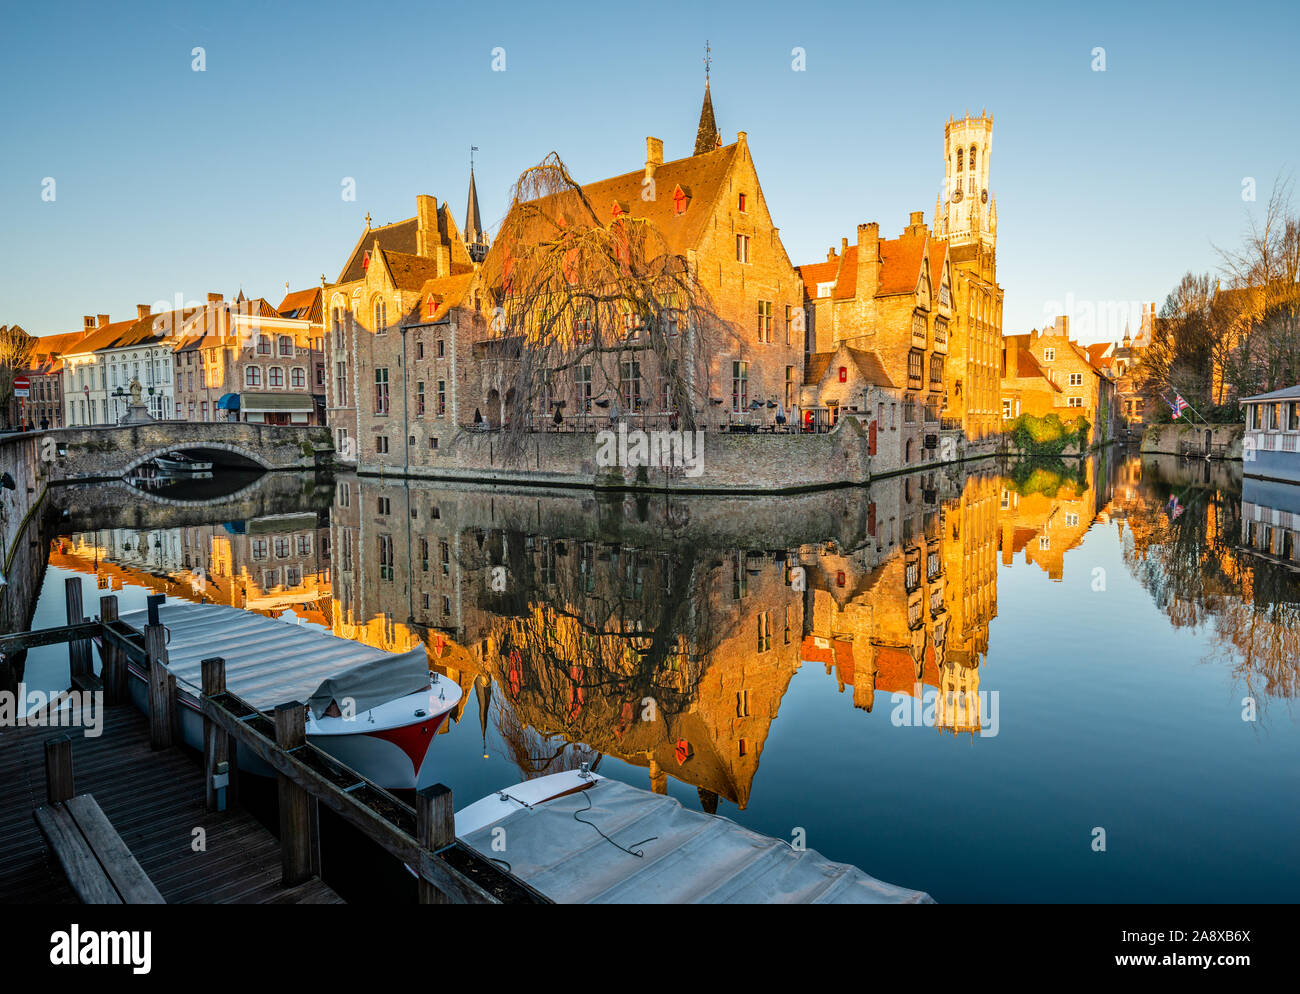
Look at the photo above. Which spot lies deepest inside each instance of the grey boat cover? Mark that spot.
(374, 682)
(693, 858)
(271, 662)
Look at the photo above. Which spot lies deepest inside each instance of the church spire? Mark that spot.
(706, 136)
(475, 239)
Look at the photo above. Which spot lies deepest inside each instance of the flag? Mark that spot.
(1179, 405)
(1173, 508)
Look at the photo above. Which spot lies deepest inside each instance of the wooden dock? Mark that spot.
(155, 800)
(155, 797)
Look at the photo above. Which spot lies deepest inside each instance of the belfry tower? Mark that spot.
(966, 215)
(966, 212)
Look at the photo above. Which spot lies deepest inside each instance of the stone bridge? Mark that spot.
(99, 453)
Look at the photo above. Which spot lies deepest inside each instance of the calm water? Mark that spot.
(952, 681)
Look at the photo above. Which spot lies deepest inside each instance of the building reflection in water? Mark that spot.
(665, 631)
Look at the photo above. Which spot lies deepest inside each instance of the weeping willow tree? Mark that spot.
(593, 311)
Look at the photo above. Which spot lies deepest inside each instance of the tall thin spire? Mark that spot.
(706, 136)
(475, 239)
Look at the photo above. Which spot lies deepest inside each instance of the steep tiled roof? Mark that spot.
(703, 175)
(396, 237)
(938, 256)
(105, 337)
(900, 269)
(410, 272)
(872, 368)
(816, 273)
(450, 290)
(302, 304)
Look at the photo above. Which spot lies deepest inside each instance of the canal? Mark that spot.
(1066, 682)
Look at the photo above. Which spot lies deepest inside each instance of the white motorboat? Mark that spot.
(179, 462)
(377, 712)
(580, 838)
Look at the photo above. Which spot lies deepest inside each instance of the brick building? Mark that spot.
(892, 299)
(1046, 372)
(44, 369)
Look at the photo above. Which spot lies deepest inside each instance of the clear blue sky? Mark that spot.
(168, 181)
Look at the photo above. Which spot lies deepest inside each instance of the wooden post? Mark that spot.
(216, 742)
(162, 699)
(79, 658)
(114, 669)
(59, 781)
(299, 829)
(435, 828)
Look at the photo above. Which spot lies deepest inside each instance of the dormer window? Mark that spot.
(680, 200)
(431, 305)
(365, 261)
(618, 209)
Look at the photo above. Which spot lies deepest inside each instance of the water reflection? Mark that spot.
(666, 632)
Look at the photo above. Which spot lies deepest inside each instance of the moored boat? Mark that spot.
(377, 712)
(178, 462)
(580, 838)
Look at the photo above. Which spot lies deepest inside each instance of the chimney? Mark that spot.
(102, 320)
(844, 245)
(868, 259)
(214, 298)
(1063, 326)
(141, 311)
(654, 156)
(830, 253)
(88, 324)
(427, 236)
(916, 222)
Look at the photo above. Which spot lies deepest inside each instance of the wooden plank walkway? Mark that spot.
(155, 801)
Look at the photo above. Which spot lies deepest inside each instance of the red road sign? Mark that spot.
(21, 386)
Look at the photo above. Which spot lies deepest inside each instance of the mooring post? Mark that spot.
(162, 697)
(299, 824)
(435, 828)
(79, 658)
(216, 741)
(114, 670)
(60, 785)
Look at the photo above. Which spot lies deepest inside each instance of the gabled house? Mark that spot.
(892, 298)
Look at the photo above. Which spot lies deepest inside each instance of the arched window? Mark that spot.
(381, 317)
(275, 376)
(298, 378)
(252, 376)
(972, 157)
(960, 154)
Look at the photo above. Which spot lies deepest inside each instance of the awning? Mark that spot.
(228, 402)
(257, 403)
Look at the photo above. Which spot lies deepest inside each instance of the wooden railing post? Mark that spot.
(299, 823)
(435, 828)
(114, 670)
(79, 658)
(162, 696)
(60, 785)
(217, 747)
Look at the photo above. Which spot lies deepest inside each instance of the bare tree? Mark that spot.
(591, 311)
(15, 349)
(1263, 312)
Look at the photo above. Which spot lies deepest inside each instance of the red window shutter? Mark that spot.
(844, 374)
(871, 518)
(871, 441)
(365, 262)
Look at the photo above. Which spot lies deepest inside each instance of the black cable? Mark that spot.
(630, 852)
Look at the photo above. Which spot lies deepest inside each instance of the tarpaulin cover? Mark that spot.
(693, 857)
(268, 661)
(372, 683)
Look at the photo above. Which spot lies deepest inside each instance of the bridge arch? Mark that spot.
(209, 446)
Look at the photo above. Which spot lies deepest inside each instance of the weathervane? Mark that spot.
(472, 150)
(708, 59)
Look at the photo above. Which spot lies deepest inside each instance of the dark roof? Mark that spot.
(706, 135)
(868, 363)
(396, 237)
(1286, 393)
